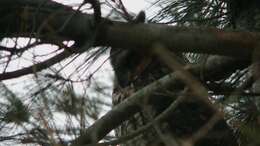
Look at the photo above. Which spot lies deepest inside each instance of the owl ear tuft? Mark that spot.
(140, 18)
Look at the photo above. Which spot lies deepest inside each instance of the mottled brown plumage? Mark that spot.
(187, 118)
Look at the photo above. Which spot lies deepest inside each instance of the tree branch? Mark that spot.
(37, 67)
(69, 24)
(46, 19)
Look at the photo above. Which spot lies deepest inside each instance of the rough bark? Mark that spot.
(54, 23)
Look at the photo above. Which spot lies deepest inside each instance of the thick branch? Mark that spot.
(63, 22)
(37, 18)
(181, 39)
(47, 19)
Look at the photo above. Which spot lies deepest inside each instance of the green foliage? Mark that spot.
(70, 103)
(15, 110)
(192, 12)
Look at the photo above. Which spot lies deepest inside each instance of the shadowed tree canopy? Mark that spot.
(187, 76)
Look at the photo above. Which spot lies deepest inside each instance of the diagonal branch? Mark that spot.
(130, 106)
(37, 67)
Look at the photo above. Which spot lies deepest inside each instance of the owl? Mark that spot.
(134, 71)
